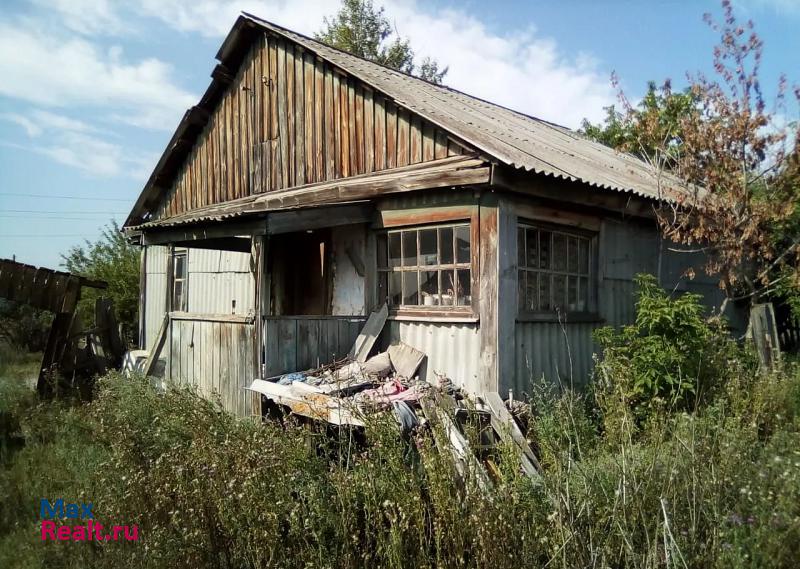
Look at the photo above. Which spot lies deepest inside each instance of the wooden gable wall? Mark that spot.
(289, 118)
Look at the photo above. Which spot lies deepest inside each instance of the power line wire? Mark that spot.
(61, 197)
(64, 212)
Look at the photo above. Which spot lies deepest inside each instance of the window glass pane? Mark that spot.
(544, 249)
(532, 244)
(521, 302)
(394, 250)
(532, 291)
(559, 253)
(427, 247)
(521, 248)
(559, 291)
(572, 255)
(464, 297)
(180, 266)
(410, 287)
(409, 248)
(446, 245)
(572, 293)
(382, 250)
(448, 288)
(177, 295)
(583, 256)
(583, 301)
(544, 292)
(462, 244)
(383, 290)
(429, 287)
(395, 288)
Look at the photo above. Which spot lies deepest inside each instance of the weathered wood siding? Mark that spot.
(289, 118)
(214, 357)
(297, 343)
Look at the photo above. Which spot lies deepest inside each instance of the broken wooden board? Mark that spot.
(155, 353)
(405, 359)
(306, 402)
(369, 334)
(506, 427)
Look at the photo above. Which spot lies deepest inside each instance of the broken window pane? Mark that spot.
(395, 288)
(177, 298)
(544, 249)
(544, 292)
(572, 293)
(409, 248)
(583, 301)
(559, 252)
(429, 287)
(410, 287)
(521, 256)
(448, 288)
(427, 247)
(394, 250)
(532, 291)
(382, 246)
(583, 256)
(521, 299)
(462, 244)
(446, 245)
(464, 298)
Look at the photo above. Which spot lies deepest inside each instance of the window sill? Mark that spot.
(466, 316)
(567, 318)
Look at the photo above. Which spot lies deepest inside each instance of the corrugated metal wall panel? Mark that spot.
(156, 261)
(155, 303)
(453, 349)
(214, 293)
(550, 350)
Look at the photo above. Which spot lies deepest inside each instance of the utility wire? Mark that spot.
(64, 212)
(20, 194)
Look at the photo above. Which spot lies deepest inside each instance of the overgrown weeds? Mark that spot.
(699, 481)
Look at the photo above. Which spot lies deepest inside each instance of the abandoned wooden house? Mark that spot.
(309, 186)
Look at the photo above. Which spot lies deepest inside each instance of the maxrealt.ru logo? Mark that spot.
(90, 531)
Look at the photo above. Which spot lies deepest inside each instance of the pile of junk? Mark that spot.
(348, 392)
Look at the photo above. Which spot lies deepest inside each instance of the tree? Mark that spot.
(361, 29)
(116, 261)
(742, 168)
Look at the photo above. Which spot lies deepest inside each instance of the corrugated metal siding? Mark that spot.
(550, 350)
(155, 292)
(215, 357)
(453, 349)
(216, 279)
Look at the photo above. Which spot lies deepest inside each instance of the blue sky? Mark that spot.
(91, 90)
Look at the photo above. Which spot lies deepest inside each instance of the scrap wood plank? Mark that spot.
(369, 334)
(505, 425)
(405, 359)
(443, 412)
(154, 354)
(305, 402)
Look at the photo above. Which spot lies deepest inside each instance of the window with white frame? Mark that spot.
(427, 267)
(180, 280)
(555, 270)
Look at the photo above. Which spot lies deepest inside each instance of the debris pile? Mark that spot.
(347, 392)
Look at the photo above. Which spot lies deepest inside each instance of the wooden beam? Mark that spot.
(317, 218)
(196, 234)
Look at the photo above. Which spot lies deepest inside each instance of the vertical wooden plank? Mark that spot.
(229, 144)
(247, 115)
(300, 118)
(310, 124)
(276, 163)
(380, 134)
(351, 127)
(359, 130)
(415, 133)
(329, 150)
(291, 154)
(369, 131)
(403, 137)
(428, 142)
(391, 135)
(282, 132)
(319, 121)
(344, 131)
(286, 356)
(440, 149)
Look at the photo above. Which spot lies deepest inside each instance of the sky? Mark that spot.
(92, 90)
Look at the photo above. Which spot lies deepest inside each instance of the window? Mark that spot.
(554, 270)
(179, 280)
(427, 267)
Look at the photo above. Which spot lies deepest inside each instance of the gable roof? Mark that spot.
(509, 137)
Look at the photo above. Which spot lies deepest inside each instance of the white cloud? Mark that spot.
(72, 72)
(782, 7)
(519, 69)
(31, 128)
(87, 17)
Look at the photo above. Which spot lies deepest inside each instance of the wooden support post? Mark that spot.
(154, 354)
(142, 341)
(497, 252)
